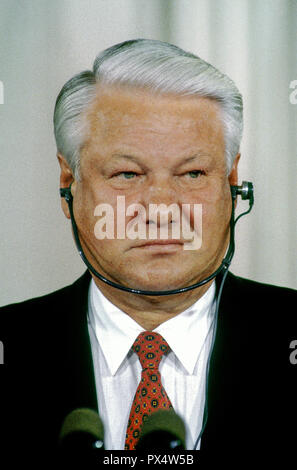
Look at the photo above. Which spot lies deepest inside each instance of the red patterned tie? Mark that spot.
(150, 395)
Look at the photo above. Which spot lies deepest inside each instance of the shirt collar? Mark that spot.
(187, 332)
(116, 331)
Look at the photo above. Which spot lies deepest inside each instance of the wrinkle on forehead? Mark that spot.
(124, 105)
(139, 120)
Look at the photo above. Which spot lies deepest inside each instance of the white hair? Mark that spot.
(153, 65)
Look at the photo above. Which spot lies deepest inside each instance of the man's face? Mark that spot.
(154, 150)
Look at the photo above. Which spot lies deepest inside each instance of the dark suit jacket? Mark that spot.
(48, 371)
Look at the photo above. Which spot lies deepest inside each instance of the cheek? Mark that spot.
(214, 197)
(100, 212)
(217, 218)
(85, 204)
(216, 210)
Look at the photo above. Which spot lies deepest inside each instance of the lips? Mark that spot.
(160, 242)
(161, 246)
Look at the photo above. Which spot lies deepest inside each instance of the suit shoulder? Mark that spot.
(261, 289)
(269, 302)
(46, 303)
(37, 302)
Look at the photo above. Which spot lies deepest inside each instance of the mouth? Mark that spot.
(161, 245)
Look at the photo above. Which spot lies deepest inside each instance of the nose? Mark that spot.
(160, 199)
(159, 189)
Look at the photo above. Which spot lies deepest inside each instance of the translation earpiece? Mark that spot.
(66, 193)
(246, 191)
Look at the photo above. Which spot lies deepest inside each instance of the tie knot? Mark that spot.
(150, 348)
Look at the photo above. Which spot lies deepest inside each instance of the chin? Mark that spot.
(156, 281)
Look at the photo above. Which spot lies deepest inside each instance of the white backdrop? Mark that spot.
(43, 43)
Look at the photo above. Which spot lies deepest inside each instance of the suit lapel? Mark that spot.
(78, 363)
(224, 388)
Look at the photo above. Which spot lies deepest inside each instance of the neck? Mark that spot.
(150, 311)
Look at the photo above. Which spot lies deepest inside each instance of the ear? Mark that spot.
(233, 175)
(66, 178)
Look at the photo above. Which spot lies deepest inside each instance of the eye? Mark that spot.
(128, 175)
(194, 173)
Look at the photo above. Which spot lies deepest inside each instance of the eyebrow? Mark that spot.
(136, 160)
(193, 157)
(126, 157)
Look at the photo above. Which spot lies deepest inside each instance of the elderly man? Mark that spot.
(152, 126)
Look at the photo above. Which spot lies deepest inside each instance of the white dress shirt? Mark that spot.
(118, 371)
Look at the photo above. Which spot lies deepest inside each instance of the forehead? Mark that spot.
(119, 113)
